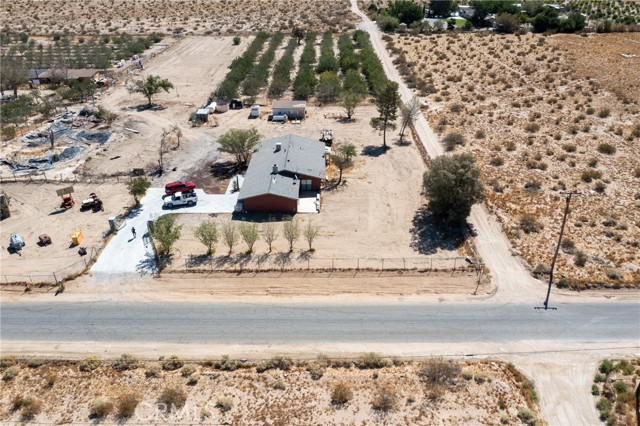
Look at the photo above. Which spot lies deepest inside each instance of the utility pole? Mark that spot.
(555, 255)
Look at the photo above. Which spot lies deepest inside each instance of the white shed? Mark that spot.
(255, 111)
(203, 114)
(294, 110)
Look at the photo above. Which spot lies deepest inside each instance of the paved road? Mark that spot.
(291, 323)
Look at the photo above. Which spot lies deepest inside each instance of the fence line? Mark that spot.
(285, 262)
(43, 176)
(55, 277)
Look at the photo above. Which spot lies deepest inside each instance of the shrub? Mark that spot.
(606, 367)
(125, 362)
(127, 404)
(236, 40)
(152, 370)
(457, 107)
(224, 403)
(341, 393)
(172, 363)
(590, 174)
(36, 362)
(315, 370)
(29, 406)
(385, 398)
(440, 372)
(278, 362)
(192, 380)
(279, 384)
(89, 364)
(8, 361)
(529, 224)
(606, 148)
(568, 245)
(595, 390)
(173, 398)
(604, 407)
(496, 161)
(227, 364)
(624, 367)
(614, 274)
(526, 416)
(532, 127)
(371, 360)
(599, 378)
(188, 370)
(11, 373)
(604, 113)
(580, 259)
(570, 147)
(620, 387)
(452, 140)
(100, 408)
(600, 187)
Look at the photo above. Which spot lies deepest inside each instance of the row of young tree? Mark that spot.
(166, 232)
(257, 78)
(282, 71)
(304, 85)
(240, 68)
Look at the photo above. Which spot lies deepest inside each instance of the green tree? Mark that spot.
(507, 23)
(350, 101)
(166, 232)
(407, 11)
(547, 20)
(354, 83)
(138, 187)
(452, 186)
(13, 72)
(299, 34)
(387, 102)
(17, 111)
(230, 235)
(304, 86)
(341, 161)
(240, 143)
(310, 233)
(440, 7)
(207, 234)
(291, 232)
(329, 87)
(250, 234)
(269, 233)
(151, 86)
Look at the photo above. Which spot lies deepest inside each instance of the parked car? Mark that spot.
(181, 199)
(179, 186)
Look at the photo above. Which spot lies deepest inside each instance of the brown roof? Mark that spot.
(70, 73)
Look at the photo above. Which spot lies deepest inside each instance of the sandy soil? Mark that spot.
(174, 16)
(537, 112)
(485, 393)
(34, 211)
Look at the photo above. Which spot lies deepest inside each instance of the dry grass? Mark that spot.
(561, 111)
(343, 395)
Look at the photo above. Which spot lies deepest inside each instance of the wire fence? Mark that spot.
(287, 262)
(55, 277)
(52, 176)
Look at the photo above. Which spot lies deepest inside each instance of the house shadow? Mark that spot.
(430, 234)
(374, 150)
(148, 266)
(260, 217)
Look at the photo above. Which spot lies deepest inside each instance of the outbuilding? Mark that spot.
(294, 110)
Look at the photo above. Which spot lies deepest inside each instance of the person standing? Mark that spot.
(133, 231)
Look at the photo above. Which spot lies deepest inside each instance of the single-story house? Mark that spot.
(280, 169)
(80, 74)
(294, 110)
(466, 12)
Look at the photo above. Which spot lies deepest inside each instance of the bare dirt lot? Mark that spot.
(401, 393)
(542, 115)
(180, 17)
(35, 210)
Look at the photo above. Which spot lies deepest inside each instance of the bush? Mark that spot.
(29, 406)
(604, 407)
(580, 259)
(385, 398)
(606, 367)
(127, 404)
(606, 148)
(89, 364)
(36, 362)
(315, 370)
(11, 373)
(440, 372)
(480, 134)
(526, 416)
(224, 403)
(599, 378)
(278, 362)
(279, 384)
(227, 364)
(624, 367)
(172, 363)
(341, 393)
(100, 408)
(8, 361)
(600, 187)
(188, 370)
(153, 370)
(529, 224)
(590, 174)
(620, 387)
(496, 161)
(125, 362)
(236, 41)
(604, 113)
(452, 140)
(371, 360)
(173, 398)
(595, 390)
(570, 147)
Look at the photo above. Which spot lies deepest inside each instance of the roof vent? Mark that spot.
(278, 147)
(275, 169)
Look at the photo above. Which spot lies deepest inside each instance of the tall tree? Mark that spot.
(453, 186)
(409, 113)
(151, 86)
(138, 187)
(387, 102)
(407, 11)
(440, 7)
(350, 101)
(166, 233)
(329, 87)
(240, 143)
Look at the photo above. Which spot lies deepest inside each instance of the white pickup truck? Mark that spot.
(181, 199)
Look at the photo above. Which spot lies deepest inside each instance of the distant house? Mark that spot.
(80, 74)
(294, 110)
(466, 12)
(556, 7)
(280, 170)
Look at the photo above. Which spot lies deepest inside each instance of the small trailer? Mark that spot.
(255, 111)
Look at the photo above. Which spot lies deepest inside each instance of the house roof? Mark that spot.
(297, 157)
(288, 104)
(70, 73)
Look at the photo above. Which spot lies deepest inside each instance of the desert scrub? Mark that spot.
(153, 370)
(173, 398)
(29, 406)
(10, 373)
(315, 370)
(100, 408)
(452, 140)
(385, 398)
(89, 364)
(590, 174)
(8, 361)
(341, 393)
(606, 148)
(580, 259)
(36, 362)
(526, 416)
(125, 362)
(172, 363)
(188, 370)
(496, 161)
(529, 224)
(227, 364)
(283, 363)
(438, 371)
(127, 404)
(371, 360)
(224, 403)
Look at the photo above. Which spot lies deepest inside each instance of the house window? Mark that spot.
(306, 185)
